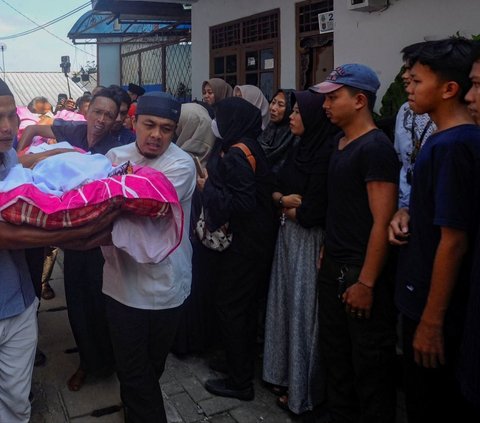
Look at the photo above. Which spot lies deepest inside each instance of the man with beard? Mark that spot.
(144, 301)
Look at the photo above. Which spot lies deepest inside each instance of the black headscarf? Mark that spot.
(237, 119)
(318, 130)
(277, 138)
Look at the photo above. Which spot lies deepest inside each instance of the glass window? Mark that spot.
(231, 79)
(266, 84)
(251, 79)
(251, 61)
(231, 64)
(219, 65)
(267, 60)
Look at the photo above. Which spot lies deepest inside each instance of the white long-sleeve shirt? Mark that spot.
(166, 284)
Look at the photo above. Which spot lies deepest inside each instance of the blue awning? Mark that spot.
(93, 24)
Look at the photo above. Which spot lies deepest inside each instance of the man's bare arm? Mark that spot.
(382, 198)
(428, 343)
(30, 160)
(13, 237)
(32, 131)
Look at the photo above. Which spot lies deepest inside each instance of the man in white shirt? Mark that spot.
(144, 300)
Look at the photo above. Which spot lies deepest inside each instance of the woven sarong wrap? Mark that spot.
(146, 194)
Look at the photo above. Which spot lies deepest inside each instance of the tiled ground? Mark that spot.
(186, 400)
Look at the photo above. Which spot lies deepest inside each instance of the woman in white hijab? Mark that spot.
(194, 131)
(254, 95)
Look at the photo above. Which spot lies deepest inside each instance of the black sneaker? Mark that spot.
(224, 388)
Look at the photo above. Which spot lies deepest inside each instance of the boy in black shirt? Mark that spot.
(357, 316)
(432, 280)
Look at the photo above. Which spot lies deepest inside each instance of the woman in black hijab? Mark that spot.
(291, 332)
(277, 139)
(238, 191)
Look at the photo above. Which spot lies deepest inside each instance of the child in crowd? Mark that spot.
(356, 311)
(432, 280)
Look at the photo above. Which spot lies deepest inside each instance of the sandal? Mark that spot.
(282, 402)
(77, 380)
(47, 292)
(277, 389)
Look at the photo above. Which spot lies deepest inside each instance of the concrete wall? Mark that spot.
(207, 13)
(108, 64)
(376, 38)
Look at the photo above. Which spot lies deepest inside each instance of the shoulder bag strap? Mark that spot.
(248, 153)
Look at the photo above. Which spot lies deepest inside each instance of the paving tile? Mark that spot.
(186, 400)
(187, 408)
(172, 414)
(199, 367)
(180, 368)
(168, 375)
(172, 388)
(94, 394)
(246, 414)
(223, 418)
(110, 418)
(195, 389)
(218, 405)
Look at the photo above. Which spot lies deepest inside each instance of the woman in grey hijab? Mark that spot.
(194, 131)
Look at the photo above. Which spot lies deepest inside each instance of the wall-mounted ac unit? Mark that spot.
(366, 5)
(326, 22)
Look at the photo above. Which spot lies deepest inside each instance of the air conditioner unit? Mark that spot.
(366, 5)
(326, 22)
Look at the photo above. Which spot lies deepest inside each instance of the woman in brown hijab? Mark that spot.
(215, 90)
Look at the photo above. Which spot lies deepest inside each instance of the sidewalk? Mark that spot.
(186, 401)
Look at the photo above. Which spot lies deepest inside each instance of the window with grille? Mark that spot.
(225, 36)
(259, 29)
(308, 14)
(246, 51)
(314, 59)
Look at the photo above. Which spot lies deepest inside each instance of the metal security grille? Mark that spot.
(261, 28)
(166, 66)
(257, 28)
(225, 36)
(308, 15)
(179, 70)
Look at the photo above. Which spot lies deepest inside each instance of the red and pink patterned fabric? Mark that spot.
(145, 192)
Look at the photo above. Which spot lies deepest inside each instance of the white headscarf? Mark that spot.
(254, 95)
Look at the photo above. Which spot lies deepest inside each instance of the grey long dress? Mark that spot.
(292, 351)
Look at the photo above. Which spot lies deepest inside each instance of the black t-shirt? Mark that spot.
(75, 133)
(369, 158)
(445, 193)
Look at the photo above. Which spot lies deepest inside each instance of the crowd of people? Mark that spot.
(306, 231)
